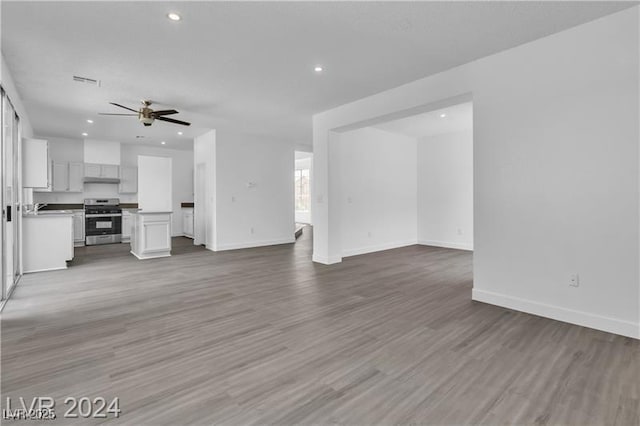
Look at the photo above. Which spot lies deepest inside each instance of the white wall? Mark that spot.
(101, 152)
(555, 171)
(445, 190)
(154, 184)
(263, 214)
(7, 82)
(73, 150)
(379, 191)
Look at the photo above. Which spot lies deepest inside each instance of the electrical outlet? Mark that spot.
(574, 280)
(233, 199)
(459, 231)
(251, 230)
(369, 234)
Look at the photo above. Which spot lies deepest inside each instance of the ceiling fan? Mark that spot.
(147, 116)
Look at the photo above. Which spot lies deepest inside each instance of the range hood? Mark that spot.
(95, 179)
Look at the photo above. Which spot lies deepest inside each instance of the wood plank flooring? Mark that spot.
(264, 336)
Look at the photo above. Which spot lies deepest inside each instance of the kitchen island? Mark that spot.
(151, 234)
(47, 240)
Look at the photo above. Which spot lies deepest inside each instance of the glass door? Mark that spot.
(10, 201)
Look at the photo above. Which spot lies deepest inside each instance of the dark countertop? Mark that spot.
(186, 205)
(63, 207)
(128, 205)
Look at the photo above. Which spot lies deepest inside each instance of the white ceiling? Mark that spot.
(247, 68)
(456, 118)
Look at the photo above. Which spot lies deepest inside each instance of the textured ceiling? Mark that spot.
(247, 68)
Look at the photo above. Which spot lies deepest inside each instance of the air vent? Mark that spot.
(139, 137)
(86, 80)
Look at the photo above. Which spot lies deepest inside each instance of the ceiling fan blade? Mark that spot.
(164, 112)
(122, 106)
(108, 113)
(171, 120)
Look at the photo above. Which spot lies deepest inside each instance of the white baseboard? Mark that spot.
(377, 247)
(445, 244)
(326, 260)
(585, 319)
(57, 268)
(251, 244)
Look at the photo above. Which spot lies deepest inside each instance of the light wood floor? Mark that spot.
(264, 336)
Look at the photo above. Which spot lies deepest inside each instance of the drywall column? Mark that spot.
(327, 247)
(204, 193)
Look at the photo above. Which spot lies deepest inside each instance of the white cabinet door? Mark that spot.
(92, 170)
(128, 180)
(76, 175)
(187, 222)
(109, 171)
(126, 226)
(78, 227)
(60, 177)
(36, 166)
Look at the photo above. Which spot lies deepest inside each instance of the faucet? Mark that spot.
(38, 206)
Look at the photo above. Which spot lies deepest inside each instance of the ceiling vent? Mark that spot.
(86, 80)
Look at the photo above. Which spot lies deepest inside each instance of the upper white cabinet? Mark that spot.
(67, 177)
(92, 170)
(76, 175)
(36, 165)
(110, 171)
(128, 180)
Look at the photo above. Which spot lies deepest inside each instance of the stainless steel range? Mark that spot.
(103, 221)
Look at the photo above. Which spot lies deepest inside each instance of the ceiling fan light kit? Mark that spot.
(147, 116)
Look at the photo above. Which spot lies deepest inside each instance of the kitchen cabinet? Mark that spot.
(92, 170)
(126, 226)
(78, 228)
(47, 241)
(36, 166)
(67, 177)
(187, 222)
(128, 180)
(76, 177)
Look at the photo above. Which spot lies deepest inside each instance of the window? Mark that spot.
(302, 190)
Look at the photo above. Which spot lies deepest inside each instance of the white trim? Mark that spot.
(326, 260)
(585, 319)
(150, 256)
(445, 244)
(378, 247)
(251, 244)
(57, 268)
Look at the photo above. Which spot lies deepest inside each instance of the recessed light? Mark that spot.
(163, 143)
(90, 121)
(180, 133)
(85, 134)
(318, 68)
(174, 16)
(443, 115)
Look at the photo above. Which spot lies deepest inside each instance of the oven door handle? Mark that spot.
(103, 215)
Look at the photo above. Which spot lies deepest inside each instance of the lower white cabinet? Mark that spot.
(47, 241)
(187, 222)
(78, 228)
(126, 226)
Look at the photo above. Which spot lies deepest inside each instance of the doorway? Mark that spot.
(303, 171)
